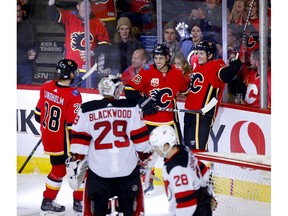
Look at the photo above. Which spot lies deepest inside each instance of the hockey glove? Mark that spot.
(235, 65)
(147, 106)
(245, 39)
(183, 30)
(76, 171)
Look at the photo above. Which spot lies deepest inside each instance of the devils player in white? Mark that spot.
(111, 134)
(184, 176)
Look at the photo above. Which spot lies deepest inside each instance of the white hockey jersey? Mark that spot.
(110, 132)
(183, 176)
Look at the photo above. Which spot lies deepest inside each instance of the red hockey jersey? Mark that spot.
(168, 85)
(57, 108)
(205, 84)
(105, 10)
(75, 36)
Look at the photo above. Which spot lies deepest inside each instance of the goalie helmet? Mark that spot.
(110, 86)
(208, 46)
(66, 66)
(161, 135)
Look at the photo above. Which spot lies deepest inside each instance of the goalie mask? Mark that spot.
(110, 86)
(161, 135)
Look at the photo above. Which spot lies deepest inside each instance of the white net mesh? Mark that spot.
(241, 183)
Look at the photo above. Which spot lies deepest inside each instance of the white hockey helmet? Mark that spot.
(110, 86)
(161, 135)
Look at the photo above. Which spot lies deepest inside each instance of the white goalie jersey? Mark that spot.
(110, 132)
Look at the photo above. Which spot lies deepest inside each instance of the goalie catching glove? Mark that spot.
(75, 172)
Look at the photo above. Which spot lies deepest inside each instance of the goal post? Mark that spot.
(241, 183)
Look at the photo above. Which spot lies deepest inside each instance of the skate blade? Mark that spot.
(50, 213)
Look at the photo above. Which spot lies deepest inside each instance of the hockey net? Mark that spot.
(241, 183)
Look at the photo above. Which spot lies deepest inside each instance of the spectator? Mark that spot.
(105, 11)
(123, 46)
(207, 81)
(55, 112)
(171, 38)
(160, 82)
(185, 177)
(252, 96)
(251, 35)
(139, 58)
(189, 38)
(141, 13)
(27, 48)
(111, 145)
(75, 38)
(209, 15)
(238, 14)
(181, 62)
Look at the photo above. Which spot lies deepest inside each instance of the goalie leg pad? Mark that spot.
(76, 171)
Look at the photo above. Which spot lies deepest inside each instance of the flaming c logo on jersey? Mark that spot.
(253, 136)
(78, 41)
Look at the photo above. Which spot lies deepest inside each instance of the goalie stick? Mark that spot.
(212, 103)
(29, 157)
(87, 74)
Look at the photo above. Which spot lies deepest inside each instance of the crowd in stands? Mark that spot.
(185, 23)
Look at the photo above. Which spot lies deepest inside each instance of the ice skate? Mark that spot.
(149, 190)
(77, 207)
(50, 207)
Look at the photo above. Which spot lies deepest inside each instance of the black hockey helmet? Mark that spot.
(207, 46)
(161, 49)
(65, 67)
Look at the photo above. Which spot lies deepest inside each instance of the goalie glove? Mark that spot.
(75, 172)
(183, 30)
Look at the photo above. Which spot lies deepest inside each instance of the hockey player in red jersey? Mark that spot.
(184, 176)
(55, 111)
(160, 81)
(75, 37)
(207, 81)
(110, 133)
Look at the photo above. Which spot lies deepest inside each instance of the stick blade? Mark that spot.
(210, 105)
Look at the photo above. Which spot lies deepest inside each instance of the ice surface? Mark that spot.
(30, 189)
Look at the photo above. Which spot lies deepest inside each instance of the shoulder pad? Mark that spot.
(146, 67)
(75, 92)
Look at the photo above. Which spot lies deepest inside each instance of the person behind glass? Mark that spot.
(106, 11)
(141, 13)
(27, 48)
(181, 62)
(156, 85)
(75, 38)
(171, 37)
(252, 81)
(207, 81)
(238, 13)
(250, 38)
(123, 46)
(139, 58)
(185, 177)
(189, 38)
(209, 14)
(55, 111)
(112, 146)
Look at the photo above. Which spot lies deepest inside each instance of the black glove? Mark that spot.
(235, 65)
(154, 94)
(149, 107)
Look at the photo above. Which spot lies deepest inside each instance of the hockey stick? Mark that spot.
(29, 157)
(150, 164)
(212, 103)
(87, 74)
